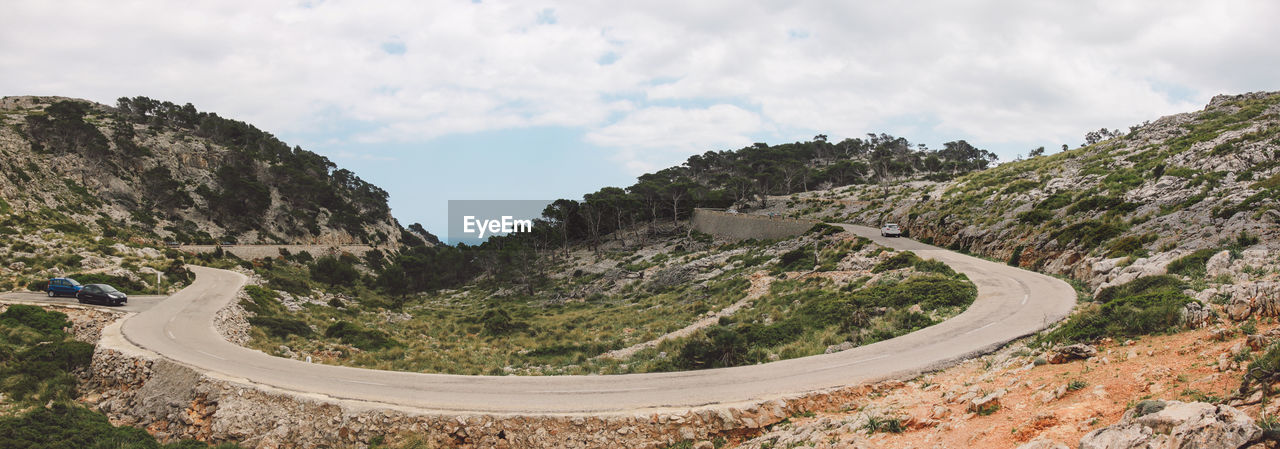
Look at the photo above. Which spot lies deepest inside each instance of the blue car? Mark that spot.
(63, 287)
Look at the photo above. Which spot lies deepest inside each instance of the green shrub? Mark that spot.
(721, 347)
(1144, 306)
(1015, 258)
(884, 424)
(334, 271)
(797, 259)
(288, 284)
(38, 285)
(45, 321)
(823, 229)
(1035, 216)
(281, 327)
(1130, 245)
(1055, 201)
(121, 283)
(354, 335)
(497, 321)
(69, 426)
(1104, 203)
(1263, 371)
(1088, 234)
(931, 292)
(900, 260)
(1139, 286)
(262, 301)
(934, 266)
(1019, 187)
(1192, 265)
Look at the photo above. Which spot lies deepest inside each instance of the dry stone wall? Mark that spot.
(736, 226)
(173, 401)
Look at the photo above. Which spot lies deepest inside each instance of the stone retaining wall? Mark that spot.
(736, 226)
(269, 251)
(172, 401)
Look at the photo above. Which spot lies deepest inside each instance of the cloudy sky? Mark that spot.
(440, 100)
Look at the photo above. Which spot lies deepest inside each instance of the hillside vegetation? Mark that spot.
(156, 170)
(794, 302)
(1169, 226)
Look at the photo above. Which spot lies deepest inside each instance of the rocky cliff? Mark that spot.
(1105, 213)
(158, 170)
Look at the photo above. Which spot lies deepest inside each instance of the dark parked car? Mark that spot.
(102, 294)
(62, 287)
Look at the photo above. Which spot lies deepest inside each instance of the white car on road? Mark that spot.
(890, 230)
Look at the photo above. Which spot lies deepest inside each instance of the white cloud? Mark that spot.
(987, 71)
(656, 137)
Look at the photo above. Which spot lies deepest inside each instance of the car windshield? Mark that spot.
(107, 288)
(72, 282)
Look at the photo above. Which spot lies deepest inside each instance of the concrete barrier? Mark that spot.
(737, 226)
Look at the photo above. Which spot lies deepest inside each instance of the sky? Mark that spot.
(538, 100)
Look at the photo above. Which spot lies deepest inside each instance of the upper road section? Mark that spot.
(1011, 303)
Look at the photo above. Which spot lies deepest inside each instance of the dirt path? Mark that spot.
(760, 282)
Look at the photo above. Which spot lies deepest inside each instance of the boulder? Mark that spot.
(1239, 309)
(1196, 315)
(1077, 351)
(1219, 264)
(1042, 443)
(1175, 424)
(987, 404)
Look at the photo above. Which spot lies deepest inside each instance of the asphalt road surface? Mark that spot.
(1011, 303)
(137, 303)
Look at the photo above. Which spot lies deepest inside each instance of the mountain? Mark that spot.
(158, 170)
(1186, 185)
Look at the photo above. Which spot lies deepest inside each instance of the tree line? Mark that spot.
(741, 178)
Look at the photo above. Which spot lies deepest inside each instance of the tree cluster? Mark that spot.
(306, 181)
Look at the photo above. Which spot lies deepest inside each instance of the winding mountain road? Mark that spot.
(1011, 303)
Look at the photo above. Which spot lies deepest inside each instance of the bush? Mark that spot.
(1035, 216)
(721, 347)
(1144, 306)
(796, 259)
(931, 292)
(354, 335)
(281, 327)
(45, 321)
(900, 260)
(934, 266)
(1139, 286)
(262, 301)
(1088, 234)
(823, 229)
(1015, 258)
(1192, 265)
(1129, 245)
(68, 426)
(288, 284)
(334, 271)
(496, 321)
(121, 283)
(1055, 202)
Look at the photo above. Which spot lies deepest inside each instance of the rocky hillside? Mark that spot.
(160, 171)
(1186, 186)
